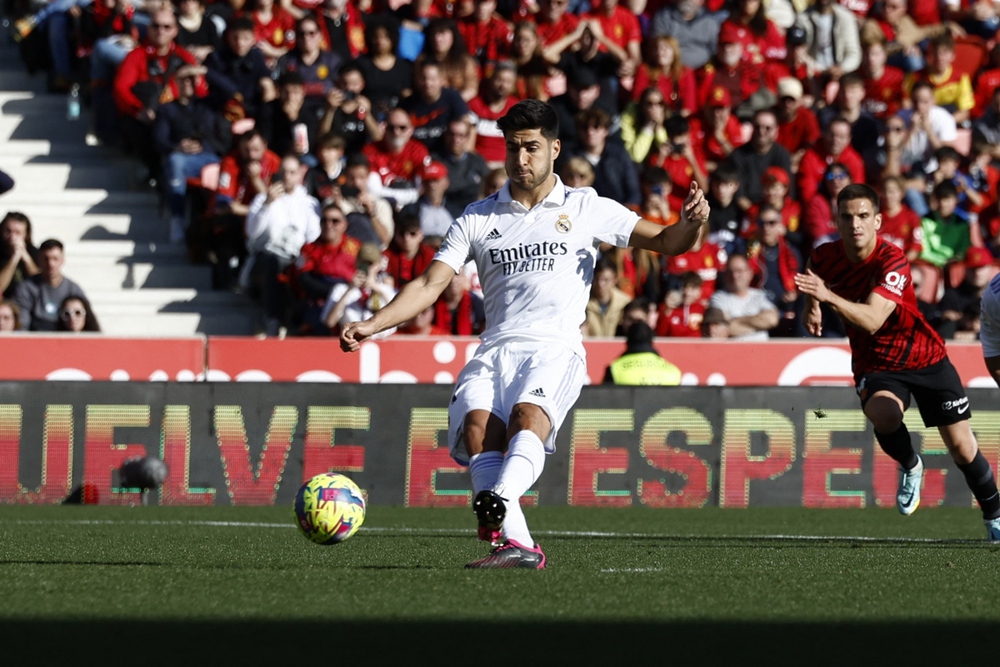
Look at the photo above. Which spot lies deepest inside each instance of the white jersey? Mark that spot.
(989, 331)
(536, 267)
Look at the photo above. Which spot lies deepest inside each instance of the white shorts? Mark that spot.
(496, 379)
(989, 331)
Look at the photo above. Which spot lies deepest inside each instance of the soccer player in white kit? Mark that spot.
(989, 329)
(535, 243)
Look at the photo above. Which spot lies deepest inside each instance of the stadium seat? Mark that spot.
(970, 54)
(932, 288)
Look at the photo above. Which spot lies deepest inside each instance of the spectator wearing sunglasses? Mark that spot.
(76, 315)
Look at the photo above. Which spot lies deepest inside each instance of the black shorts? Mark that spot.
(939, 392)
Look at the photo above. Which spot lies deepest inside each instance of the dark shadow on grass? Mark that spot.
(784, 542)
(463, 642)
(83, 562)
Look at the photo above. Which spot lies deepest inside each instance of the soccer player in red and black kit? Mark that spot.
(866, 281)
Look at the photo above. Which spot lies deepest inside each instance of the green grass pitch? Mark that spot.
(668, 587)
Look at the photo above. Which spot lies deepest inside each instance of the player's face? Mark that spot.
(858, 222)
(530, 157)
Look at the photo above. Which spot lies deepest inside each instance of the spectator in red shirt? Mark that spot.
(679, 160)
(554, 21)
(819, 222)
(774, 263)
(458, 311)
(761, 39)
(664, 69)
(620, 26)
(797, 63)
(798, 128)
(328, 260)
(883, 83)
(716, 132)
(147, 79)
(244, 173)
(684, 320)
(407, 256)
(704, 258)
(397, 159)
(495, 101)
(487, 36)
(274, 29)
(900, 225)
(777, 183)
(727, 69)
(835, 146)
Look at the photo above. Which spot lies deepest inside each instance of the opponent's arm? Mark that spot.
(677, 238)
(413, 299)
(868, 316)
(993, 366)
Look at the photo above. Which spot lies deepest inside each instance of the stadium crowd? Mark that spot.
(315, 152)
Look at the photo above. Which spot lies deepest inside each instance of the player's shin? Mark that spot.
(898, 446)
(979, 477)
(522, 467)
(484, 468)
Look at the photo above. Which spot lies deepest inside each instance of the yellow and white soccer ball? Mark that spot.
(329, 508)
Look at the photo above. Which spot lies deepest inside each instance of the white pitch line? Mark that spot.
(403, 530)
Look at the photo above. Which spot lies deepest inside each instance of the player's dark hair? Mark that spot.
(859, 191)
(49, 244)
(530, 114)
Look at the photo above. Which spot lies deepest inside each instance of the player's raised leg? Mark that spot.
(885, 411)
(964, 450)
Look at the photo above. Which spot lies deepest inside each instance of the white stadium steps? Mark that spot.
(91, 198)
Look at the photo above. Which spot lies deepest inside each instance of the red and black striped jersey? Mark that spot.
(905, 341)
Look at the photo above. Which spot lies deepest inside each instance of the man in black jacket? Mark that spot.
(238, 78)
(188, 135)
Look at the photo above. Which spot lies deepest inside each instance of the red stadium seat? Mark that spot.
(932, 288)
(970, 54)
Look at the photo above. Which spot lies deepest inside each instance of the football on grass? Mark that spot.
(329, 508)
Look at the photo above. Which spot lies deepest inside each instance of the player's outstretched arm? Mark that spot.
(868, 316)
(678, 238)
(412, 300)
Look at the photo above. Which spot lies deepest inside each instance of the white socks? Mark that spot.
(522, 467)
(485, 470)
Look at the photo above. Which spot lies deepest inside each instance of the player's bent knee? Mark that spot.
(483, 431)
(529, 417)
(885, 412)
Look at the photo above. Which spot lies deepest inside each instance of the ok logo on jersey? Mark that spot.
(895, 282)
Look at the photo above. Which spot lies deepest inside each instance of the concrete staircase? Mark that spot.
(91, 199)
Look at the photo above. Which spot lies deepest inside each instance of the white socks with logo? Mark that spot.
(521, 468)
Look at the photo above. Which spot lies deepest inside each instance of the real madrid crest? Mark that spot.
(563, 225)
